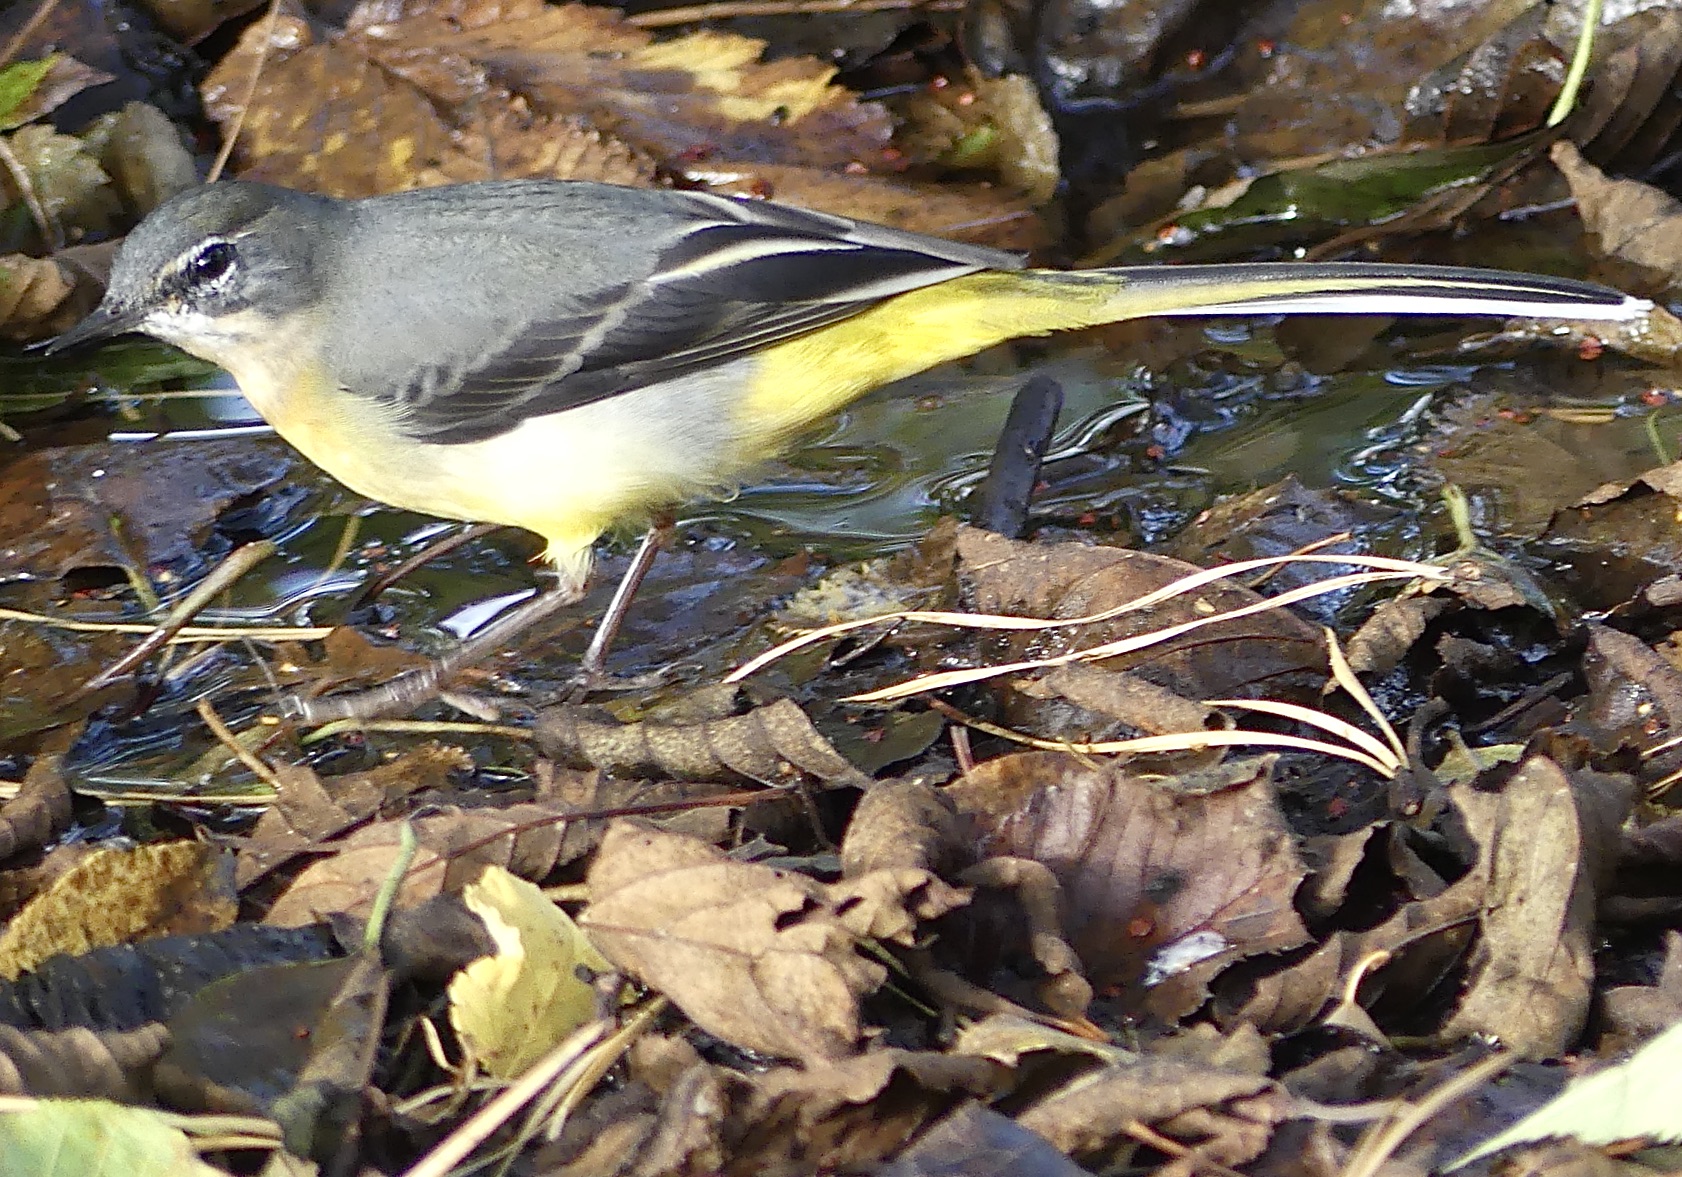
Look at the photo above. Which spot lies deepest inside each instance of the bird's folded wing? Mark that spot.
(730, 278)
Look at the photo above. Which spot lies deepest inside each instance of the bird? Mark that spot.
(567, 356)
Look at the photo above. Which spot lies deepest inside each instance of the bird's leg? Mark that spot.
(408, 691)
(592, 671)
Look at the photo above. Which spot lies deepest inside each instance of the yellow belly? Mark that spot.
(568, 476)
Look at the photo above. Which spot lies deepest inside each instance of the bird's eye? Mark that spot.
(209, 263)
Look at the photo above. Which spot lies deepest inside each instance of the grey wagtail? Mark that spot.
(565, 356)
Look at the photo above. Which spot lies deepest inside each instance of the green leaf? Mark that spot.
(94, 1138)
(18, 82)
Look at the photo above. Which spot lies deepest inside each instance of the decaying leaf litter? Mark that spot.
(808, 933)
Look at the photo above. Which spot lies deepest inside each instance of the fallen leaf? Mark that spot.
(118, 896)
(1546, 844)
(130, 506)
(1146, 871)
(766, 959)
(1228, 1116)
(512, 1008)
(771, 745)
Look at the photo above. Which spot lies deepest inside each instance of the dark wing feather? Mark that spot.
(744, 276)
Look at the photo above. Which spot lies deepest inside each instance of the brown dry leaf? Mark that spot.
(65, 77)
(1390, 631)
(1628, 527)
(418, 92)
(326, 119)
(1547, 845)
(349, 878)
(39, 812)
(974, 212)
(850, 1114)
(977, 1141)
(309, 810)
(1083, 703)
(1635, 701)
(1274, 649)
(80, 1063)
(765, 959)
(771, 745)
(101, 506)
(120, 896)
(1635, 222)
(1227, 1116)
(188, 21)
(1039, 905)
(32, 293)
(1006, 1038)
(1427, 937)
(1160, 887)
(1494, 452)
(899, 824)
(705, 92)
(1638, 1012)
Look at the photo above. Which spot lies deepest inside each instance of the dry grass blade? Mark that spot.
(187, 633)
(1326, 723)
(225, 735)
(1383, 567)
(1344, 675)
(221, 578)
(601, 1059)
(1381, 1141)
(1176, 742)
(459, 1144)
(953, 678)
(415, 726)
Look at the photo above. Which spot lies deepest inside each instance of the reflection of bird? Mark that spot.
(565, 356)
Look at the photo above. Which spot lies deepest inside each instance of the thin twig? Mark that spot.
(52, 236)
(1381, 1141)
(421, 726)
(244, 755)
(240, 561)
(28, 30)
(265, 35)
(1193, 1157)
(426, 555)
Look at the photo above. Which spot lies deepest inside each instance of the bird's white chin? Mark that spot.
(209, 337)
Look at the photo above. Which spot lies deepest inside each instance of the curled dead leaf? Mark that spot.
(773, 744)
(765, 959)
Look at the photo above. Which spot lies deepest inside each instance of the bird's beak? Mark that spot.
(103, 323)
